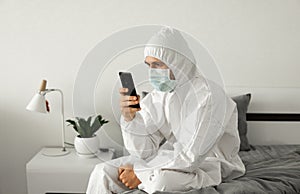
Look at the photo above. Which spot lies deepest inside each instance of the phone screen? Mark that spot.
(127, 82)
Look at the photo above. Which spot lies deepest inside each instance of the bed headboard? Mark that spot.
(273, 117)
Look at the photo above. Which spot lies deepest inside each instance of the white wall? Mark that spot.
(256, 44)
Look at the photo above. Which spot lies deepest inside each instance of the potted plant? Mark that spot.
(87, 143)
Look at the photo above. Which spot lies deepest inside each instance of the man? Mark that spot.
(185, 134)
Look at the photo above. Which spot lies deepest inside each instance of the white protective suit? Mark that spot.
(180, 140)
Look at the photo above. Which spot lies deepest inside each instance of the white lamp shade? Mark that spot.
(37, 104)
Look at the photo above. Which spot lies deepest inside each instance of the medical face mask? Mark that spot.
(160, 79)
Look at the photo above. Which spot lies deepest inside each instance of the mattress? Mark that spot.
(269, 169)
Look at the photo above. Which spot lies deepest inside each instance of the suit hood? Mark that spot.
(169, 46)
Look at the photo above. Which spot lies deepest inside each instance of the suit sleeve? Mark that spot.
(141, 136)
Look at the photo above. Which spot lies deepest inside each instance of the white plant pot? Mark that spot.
(87, 147)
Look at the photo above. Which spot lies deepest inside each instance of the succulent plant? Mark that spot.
(86, 128)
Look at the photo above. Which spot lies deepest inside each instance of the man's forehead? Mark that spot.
(150, 59)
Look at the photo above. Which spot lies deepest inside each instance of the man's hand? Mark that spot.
(125, 101)
(128, 177)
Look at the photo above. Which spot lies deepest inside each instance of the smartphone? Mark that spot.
(127, 82)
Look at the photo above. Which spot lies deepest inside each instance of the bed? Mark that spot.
(269, 168)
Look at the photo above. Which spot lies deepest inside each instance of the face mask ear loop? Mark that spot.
(169, 74)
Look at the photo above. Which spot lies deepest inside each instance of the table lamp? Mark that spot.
(39, 104)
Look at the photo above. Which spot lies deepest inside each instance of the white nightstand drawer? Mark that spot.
(62, 174)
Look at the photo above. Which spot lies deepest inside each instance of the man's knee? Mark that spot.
(105, 167)
(102, 170)
(100, 167)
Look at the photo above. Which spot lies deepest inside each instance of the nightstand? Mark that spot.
(62, 174)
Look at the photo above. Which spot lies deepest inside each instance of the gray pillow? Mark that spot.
(242, 103)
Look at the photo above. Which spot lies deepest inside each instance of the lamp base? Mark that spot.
(54, 152)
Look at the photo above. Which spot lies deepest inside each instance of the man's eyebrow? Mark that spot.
(154, 63)
(157, 63)
(146, 63)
